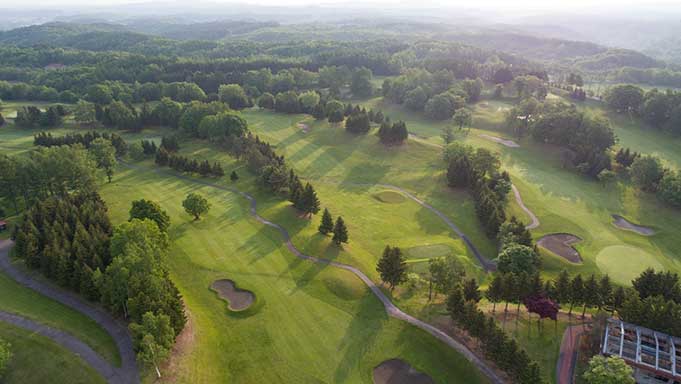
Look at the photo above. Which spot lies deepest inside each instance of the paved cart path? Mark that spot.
(128, 371)
(390, 308)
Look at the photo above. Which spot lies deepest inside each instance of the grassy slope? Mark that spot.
(36, 359)
(304, 312)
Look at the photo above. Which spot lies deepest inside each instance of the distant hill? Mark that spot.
(583, 55)
(215, 30)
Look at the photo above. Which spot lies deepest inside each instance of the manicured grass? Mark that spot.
(623, 263)
(37, 359)
(307, 313)
(28, 303)
(565, 201)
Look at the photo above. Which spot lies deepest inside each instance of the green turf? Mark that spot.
(428, 251)
(390, 197)
(37, 359)
(307, 313)
(623, 263)
(25, 302)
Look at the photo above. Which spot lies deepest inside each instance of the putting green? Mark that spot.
(623, 263)
(390, 197)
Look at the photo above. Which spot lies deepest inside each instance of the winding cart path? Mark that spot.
(127, 373)
(390, 308)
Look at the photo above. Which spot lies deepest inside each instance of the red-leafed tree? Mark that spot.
(542, 306)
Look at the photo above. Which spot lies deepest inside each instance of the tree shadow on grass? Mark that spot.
(331, 252)
(360, 335)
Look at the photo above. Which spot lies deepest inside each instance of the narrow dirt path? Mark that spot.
(128, 371)
(567, 359)
(390, 308)
(535, 220)
(67, 341)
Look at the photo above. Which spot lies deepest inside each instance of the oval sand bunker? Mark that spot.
(396, 371)
(561, 245)
(622, 223)
(237, 299)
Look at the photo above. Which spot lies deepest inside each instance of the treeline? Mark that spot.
(479, 170)
(210, 64)
(660, 109)
(655, 302)
(272, 170)
(497, 346)
(30, 117)
(661, 77)
(67, 238)
(586, 137)
(46, 139)
(185, 164)
(46, 172)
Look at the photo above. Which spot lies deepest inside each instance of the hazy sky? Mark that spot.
(536, 4)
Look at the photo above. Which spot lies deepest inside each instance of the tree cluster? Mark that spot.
(479, 170)
(648, 174)
(46, 139)
(304, 198)
(393, 133)
(53, 171)
(67, 239)
(31, 117)
(660, 109)
(496, 344)
(185, 164)
(136, 282)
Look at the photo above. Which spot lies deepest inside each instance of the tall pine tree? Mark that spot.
(340, 232)
(326, 225)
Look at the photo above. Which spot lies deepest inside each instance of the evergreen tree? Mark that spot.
(234, 176)
(495, 291)
(576, 292)
(326, 225)
(392, 267)
(340, 232)
(591, 294)
(309, 201)
(471, 292)
(605, 292)
(562, 287)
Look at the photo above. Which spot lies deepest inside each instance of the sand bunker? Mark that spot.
(304, 127)
(507, 143)
(238, 299)
(396, 371)
(622, 223)
(561, 245)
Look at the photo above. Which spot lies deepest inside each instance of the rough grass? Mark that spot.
(36, 359)
(428, 251)
(309, 312)
(25, 302)
(390, 197)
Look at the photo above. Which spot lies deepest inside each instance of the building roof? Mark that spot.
(644, 348)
